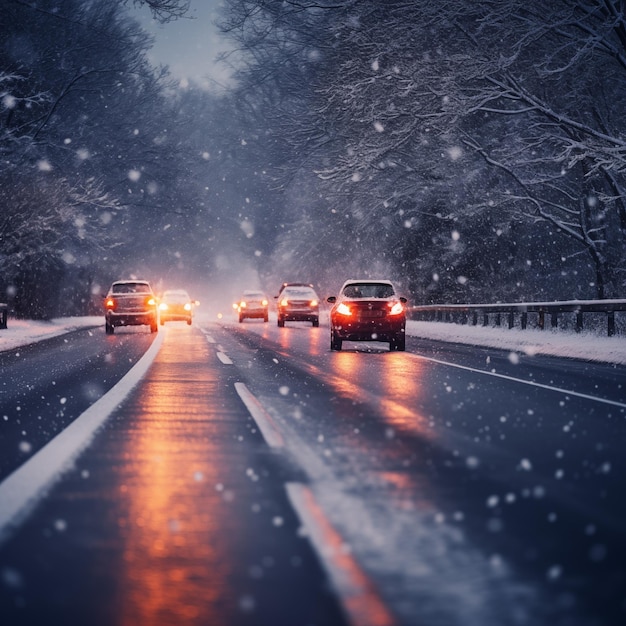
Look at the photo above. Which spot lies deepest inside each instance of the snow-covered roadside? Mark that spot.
(588, 346)
(22, 332)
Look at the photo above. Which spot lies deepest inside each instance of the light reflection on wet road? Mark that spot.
(436, 494)
(494, 500)
(177, 514)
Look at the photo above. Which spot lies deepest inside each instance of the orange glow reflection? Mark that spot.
(400, 391)
(172, 571)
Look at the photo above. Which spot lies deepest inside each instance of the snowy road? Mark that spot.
(444, 485)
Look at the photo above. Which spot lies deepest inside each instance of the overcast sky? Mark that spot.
(188, 46)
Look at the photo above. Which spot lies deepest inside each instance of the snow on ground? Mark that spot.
(22, 332)
(588, 346)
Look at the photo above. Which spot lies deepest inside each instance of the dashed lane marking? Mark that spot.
(224, 358)
(264, 421)
(357, 593)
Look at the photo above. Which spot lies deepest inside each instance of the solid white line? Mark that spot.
(224, 359)
(266, 424)
(532, 383)
(356, 592)
(22, 490)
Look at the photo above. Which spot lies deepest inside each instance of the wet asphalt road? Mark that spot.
(445, 485)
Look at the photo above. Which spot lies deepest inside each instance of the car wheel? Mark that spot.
(189, 321)
(109, 329)
(316, 322)
(162, 322)
(281, 322)
(335, 342)
(240, 319)
(154, 327)
(398, 343)
(266, 319)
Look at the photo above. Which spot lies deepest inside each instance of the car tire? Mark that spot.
(162, 322)
(335, 342)
(154, 328)
(281, 322)
(266, 319)
(189, 322)
(240, 319)
(398, 343)
(316, 322)
(109, 329)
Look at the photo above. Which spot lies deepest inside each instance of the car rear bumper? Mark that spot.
(368, 331)
(253, 313)
(175, 317)
(131, 319)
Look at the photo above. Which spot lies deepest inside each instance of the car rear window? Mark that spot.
(307, 294)
(131, 288)
(368, 290)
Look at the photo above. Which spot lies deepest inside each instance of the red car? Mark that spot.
(368, 310)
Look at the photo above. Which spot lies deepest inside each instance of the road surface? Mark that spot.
(252, 476)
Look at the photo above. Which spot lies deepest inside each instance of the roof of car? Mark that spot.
(368, 281)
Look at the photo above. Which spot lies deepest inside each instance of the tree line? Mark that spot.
(476, 150)
(472, 151)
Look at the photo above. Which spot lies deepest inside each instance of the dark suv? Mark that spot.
(130, 303)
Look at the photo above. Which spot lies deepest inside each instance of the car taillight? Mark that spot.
(242, 304)
(163, 306)
(187, 306)
(110, 303)
(264, 302)
(395, 308)
(344, 309)
(151, 302)
(313, 303)
(284, 302)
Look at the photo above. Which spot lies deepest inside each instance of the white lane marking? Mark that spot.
(208, 336)
(356, 592)
(22, 490)
(532, 383)
(264, 421)
(224, 359)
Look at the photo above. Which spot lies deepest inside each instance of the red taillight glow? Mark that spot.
(188, 306)
(396, 308)
(344, 309)
(110, 303)
(313, 303)
(242, 304)
(284, 302)
(264, 302)
(151, 302)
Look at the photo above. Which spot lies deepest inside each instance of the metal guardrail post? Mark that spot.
(610, 323)
(579, 321)
(554, 320)
(4, 310)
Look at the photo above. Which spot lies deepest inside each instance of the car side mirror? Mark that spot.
(403, 300)
(331, 299)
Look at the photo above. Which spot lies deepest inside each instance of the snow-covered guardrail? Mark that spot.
(4, 310)
(471, 313)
